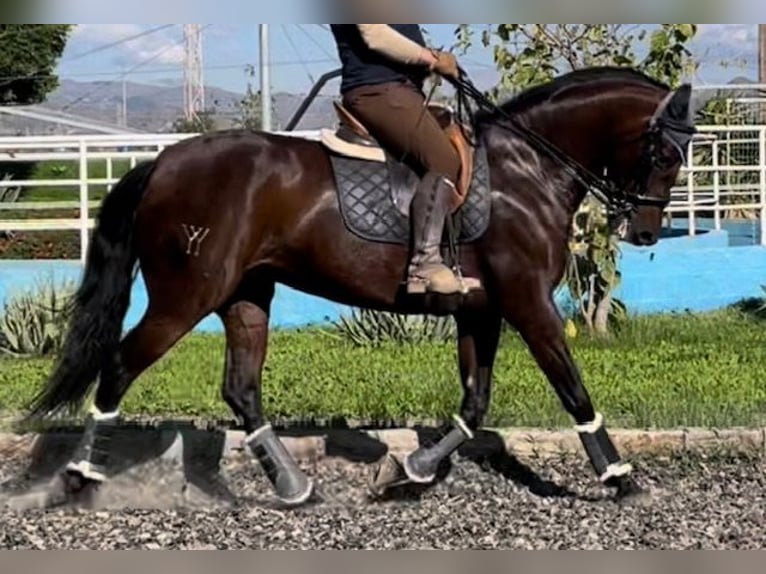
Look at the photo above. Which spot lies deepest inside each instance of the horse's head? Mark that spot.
(645, 166)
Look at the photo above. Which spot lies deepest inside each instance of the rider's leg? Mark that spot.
(396, 116)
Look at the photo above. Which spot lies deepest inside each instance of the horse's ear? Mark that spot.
(676, 107)
(679, 107)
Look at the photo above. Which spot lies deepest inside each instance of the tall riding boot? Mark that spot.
(427, 271)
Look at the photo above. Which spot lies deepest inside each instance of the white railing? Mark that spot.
(725, 176)
(726, 172)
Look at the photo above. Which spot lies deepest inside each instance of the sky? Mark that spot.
(300, 53)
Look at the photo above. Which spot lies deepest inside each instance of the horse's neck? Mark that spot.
(585, 125)
(580, 132)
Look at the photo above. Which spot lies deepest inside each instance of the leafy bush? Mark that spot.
(34, 322)
(592, 274)
(367, 328)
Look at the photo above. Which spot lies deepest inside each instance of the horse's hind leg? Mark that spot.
(247, 325)
(143, 346)
(540, 325)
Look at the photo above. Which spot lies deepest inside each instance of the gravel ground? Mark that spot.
(695, 502)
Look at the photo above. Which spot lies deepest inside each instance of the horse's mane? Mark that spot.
(536, 95)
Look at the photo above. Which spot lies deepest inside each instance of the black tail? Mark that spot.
(101, 301)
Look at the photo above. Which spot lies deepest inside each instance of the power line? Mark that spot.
(122, 75)
(105, 47)
(315, 42)
(8, 79)
(297, 53)
(166, 70)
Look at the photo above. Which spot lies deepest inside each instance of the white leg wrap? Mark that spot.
(616, 470)
(591, 427)
(86, 469)
(460, 423)
(98, 416)
(249, 439)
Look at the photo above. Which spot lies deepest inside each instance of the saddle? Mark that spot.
(375, 189)
(352, 139)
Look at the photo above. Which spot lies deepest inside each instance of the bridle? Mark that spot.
(621, 200)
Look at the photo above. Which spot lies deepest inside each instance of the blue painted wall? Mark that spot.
(680, 273)
(699, 273)
(290, 309)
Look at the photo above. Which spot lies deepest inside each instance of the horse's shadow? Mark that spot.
(133, 448)
(486, 450)
(202, 452)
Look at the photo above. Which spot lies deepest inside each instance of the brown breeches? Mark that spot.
(395, 116)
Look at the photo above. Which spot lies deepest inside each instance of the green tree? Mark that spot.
(29, 54)
(204, 122)
(530, 54)
(249, 107)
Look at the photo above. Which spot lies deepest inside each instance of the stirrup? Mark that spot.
(467, 284)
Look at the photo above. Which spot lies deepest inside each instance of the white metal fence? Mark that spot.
(725, 177)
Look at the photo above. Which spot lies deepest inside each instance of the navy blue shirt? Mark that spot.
(363, 66)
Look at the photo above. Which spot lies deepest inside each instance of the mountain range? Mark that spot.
(154, 108)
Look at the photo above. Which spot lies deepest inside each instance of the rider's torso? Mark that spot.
(363, 66)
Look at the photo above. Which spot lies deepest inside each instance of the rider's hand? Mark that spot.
(445, 64)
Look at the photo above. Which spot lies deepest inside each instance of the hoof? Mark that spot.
(75, 488)
(388, 474)
(300, 498)
(75, 483)
(414, 475)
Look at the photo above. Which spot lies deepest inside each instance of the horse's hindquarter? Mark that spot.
(216, 205)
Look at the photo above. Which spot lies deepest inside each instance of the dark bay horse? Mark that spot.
(215, 221)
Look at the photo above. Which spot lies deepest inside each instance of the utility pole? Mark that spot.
(124, 118)
(762, 54)
(762, 65)
(263, 32)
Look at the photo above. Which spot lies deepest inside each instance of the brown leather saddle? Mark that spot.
(351, 131)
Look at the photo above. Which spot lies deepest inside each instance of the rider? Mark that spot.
(384, 69)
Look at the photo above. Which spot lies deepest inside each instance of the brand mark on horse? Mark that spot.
(195, 236)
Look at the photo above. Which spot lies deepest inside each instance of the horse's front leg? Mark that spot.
(478, 337)
(541, 327)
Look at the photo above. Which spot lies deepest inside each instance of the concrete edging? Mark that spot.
(517, 441)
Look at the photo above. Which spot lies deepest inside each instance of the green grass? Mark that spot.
(661, 372)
